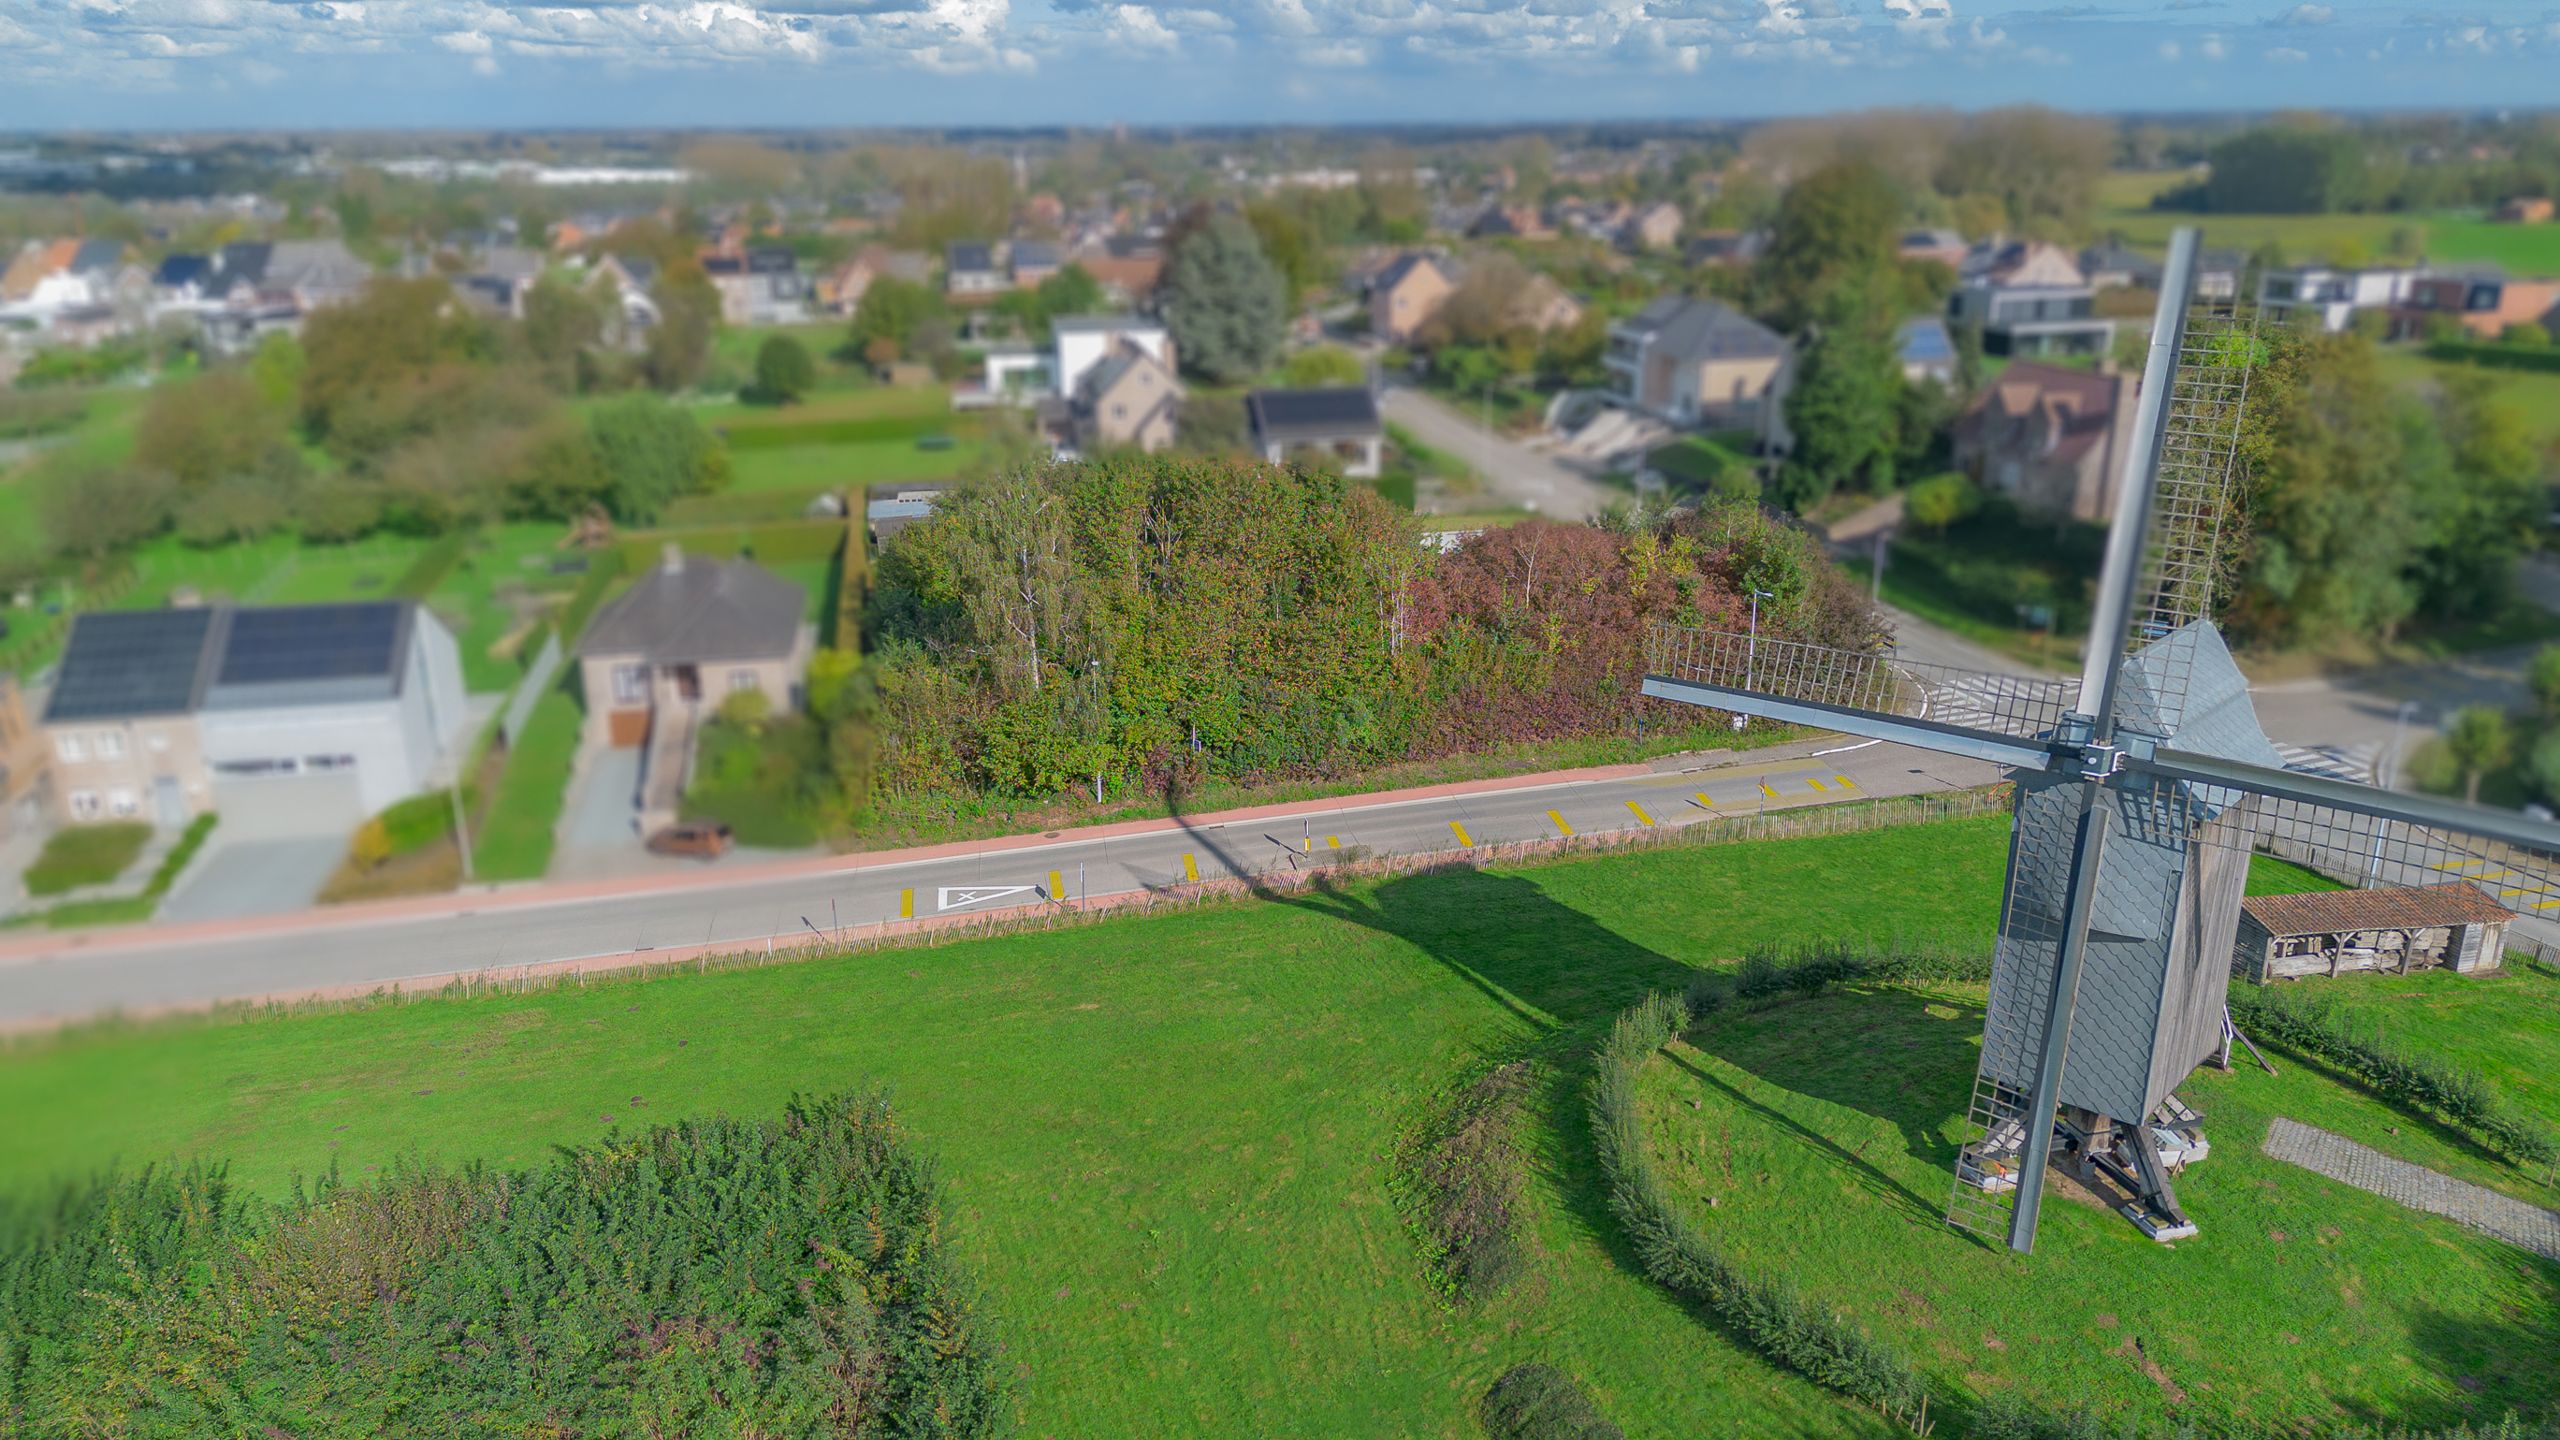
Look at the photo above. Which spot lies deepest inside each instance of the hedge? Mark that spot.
(749, 435)
(433, 564)
(2313, 1026)
(2544, 358)
(1769, 1314)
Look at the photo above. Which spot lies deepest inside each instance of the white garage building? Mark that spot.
(287, 720)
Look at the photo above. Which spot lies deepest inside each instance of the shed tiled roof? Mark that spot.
(700, 610)
(2327, 912)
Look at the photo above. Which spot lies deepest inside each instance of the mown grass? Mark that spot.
(81, 855)
(1817, 1138)
(516, 836)
(2534, 394)
(1167, 1139)
(495, 597)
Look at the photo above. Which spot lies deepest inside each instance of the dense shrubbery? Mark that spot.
(1769, 1314)
(1541, 1402)
(783, 1277)
(1164, 619)
(2313, 1025)
(1462, 1180)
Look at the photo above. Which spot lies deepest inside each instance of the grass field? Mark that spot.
(1167, 1139)
(2124, 201)
(2535, 394)
(1823, 1130)
(498, 592)
(76, 856)
(516, 836)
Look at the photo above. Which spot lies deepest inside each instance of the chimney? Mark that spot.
(671, 559)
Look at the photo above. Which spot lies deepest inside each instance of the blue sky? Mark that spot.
(473, 63)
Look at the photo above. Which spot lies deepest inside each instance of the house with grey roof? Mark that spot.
(1335, 426)
(284, 719)
(664, 655)
(970, 271)
(1699, 363)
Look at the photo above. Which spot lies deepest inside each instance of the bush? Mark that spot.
(1464, 1191)
(784, 371)
(1942, 500)
(82, 855)
(1540, 1402)
(790, 1276)
(2510, 357)
(26, 416)
(2313, 1026)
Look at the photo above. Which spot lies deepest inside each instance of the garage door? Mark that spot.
(283, 806)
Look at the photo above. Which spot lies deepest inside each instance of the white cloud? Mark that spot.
(2212, 47)
(485, 65)
(2306, 15)
(465, 42)
(1135, 27)
(2169, 50)
(2287, 55)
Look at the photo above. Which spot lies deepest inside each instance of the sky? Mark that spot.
(162, 64)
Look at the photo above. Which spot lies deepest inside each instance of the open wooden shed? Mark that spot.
(2394, 929)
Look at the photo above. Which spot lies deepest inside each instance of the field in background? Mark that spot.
(2124, 200)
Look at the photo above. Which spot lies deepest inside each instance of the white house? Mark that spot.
(1080, 342)
(2331, 296)
(286, 720)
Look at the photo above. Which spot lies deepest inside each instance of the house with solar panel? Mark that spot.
(284, 719)
(1337, 427)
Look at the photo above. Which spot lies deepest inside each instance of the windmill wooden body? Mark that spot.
(2142, 793)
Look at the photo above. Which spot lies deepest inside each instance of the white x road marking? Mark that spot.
(960, 897)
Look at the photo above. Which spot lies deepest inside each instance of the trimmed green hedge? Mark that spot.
(750, 435)
(2313, 1026)
(2543, 358)
(1769, 1314)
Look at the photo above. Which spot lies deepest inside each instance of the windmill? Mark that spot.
(2142, 791)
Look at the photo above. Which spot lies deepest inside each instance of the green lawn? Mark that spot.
(496, 596)
(733, 353)
(2525, 250)
(2535, 394)
(756, 782)
(515, 836)
(1823, 1132)
(806, 470)
(79, 855)
(1973, 579)
(1166, 1138)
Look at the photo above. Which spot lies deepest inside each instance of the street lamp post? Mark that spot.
(1751, 649)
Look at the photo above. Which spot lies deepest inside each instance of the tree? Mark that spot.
(214, 427)
(784, 371)
(1941, 501)
(2481, 741)
(679, 350)
(384, 340)
(2545, 763)
(2285, 170)
(2476, 487)
(557, 474)
(1844, 406)
(2543, 677)
(1318, 366)
(1834, 228)
(889, 314)
(561, 324)
(651, 453)
(2041, 165)
(1224, 302)
(236, 507)
(1292, 245)
(94, 513)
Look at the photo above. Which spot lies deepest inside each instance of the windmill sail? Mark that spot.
(2143, 791)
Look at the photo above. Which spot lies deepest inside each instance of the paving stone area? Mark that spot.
(2368, 1169)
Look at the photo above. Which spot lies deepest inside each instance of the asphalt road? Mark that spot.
(744, 906)
(1514, 473)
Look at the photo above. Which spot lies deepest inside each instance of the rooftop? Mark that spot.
(2328, 912)
(1328, 414)
(694, 608)
(1704, 330)
(135, 664)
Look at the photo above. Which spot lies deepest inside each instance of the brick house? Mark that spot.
(2049, 437)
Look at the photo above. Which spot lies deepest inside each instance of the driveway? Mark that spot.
(1513, 473)
(256, 877)
(599, 826)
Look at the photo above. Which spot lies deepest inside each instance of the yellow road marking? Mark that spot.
(906, 904)
(1844, 782)
(1461, 831)
(2521, 890)
(2492, 875)
(1190, 867)
(1641, 817)
(1704, 801)
(1057, 888)
(1561, 827)
(1332, 844)
(1765, 790)
(2464, 865)
(1816, 784)
(2545, 904)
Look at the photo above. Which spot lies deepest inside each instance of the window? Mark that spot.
(124, 802)
(110, 744)
(630, 684)
(741, 681)
(158, 742)
(328, 762)
(72, 748)
(84, 805)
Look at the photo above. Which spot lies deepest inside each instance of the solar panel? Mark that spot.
(1349, 407)
(125, 663)
(312, 642)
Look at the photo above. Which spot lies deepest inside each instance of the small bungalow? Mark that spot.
(1337, 426)
(2396, 929)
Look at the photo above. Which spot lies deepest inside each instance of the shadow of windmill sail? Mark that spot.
(2164, 915)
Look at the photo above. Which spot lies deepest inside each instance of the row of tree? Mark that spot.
(1156, 621)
